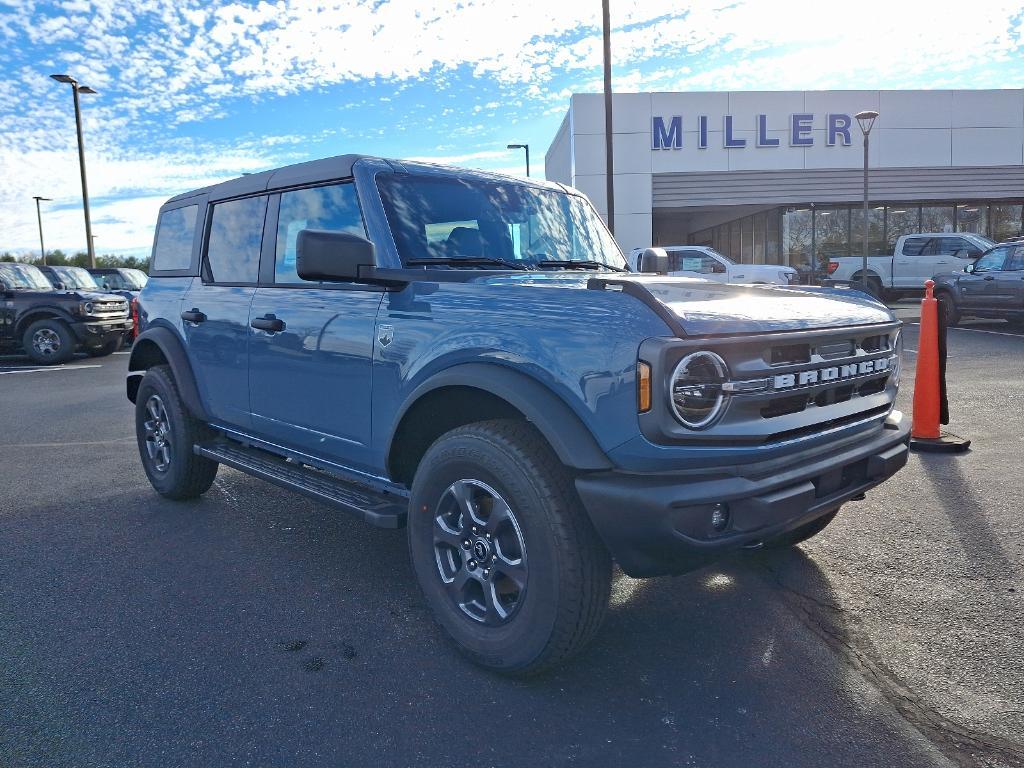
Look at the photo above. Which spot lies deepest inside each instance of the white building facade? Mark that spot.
(776, 177)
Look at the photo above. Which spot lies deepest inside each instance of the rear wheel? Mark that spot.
(49, 341)
(166, 432)
(803, 533)
(504, 552)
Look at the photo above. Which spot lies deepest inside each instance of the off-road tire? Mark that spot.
(59, 329)
(187, 475)
(803, 533)
(105, 349)
(569, 569)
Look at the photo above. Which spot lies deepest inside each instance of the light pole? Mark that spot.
(527, 148)
(866, 119)
(39, 217)
(609, 166)
(76, 89)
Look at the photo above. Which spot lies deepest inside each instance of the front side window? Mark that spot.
(992, 261)
(236, 232)
(445, 220)
(174, 235)
(334, 208)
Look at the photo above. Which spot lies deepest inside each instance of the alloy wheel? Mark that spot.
(46, 342)
(157, 429)
(480, 552)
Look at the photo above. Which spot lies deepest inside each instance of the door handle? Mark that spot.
(268, 323)
(193, 316)
(988, 277)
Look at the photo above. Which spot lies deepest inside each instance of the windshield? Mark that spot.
(445, 219)
(74, 277)
(24, 276)
(722, 256)
(135, 278)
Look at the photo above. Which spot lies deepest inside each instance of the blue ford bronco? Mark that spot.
(468, 356)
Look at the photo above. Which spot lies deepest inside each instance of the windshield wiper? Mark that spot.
(470, 260)
(579, 263)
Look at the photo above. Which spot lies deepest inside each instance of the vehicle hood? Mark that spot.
(763, 269)
(704, 307)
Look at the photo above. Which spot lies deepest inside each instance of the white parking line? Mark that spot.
(47, 370)
(980, 330)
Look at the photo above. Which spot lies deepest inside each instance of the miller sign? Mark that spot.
(667, 133)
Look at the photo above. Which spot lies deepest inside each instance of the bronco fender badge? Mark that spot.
(385, 334)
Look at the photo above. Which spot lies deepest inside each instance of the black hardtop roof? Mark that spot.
(327, 169)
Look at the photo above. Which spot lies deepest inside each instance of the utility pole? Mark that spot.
(609, 164)
(39, 217)
(76, 88)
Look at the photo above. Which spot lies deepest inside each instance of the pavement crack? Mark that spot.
(963, 745)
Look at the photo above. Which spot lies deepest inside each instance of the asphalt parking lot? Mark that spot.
(254, 627)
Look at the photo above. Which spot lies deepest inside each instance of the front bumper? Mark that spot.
(661, 524)
(96, 333)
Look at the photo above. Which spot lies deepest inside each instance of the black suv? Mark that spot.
(49, 325)
(991, 287)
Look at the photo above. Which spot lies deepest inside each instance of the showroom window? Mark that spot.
(831, 233)
(797, 228)
(937, 218)
(876, 231)
(1007, 221)
(972, 217)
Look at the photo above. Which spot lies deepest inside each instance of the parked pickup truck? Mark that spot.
(467, 355)
(915, 259)
(705, 262)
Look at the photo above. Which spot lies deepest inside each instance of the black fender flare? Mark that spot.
(570, 438)
(173, 350)
(40, 313)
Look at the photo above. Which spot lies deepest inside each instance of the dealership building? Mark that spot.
(774, 177)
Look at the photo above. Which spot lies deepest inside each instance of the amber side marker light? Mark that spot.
(643, 386)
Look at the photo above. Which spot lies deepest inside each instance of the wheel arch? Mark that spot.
(163, 346)
(40, 313)
(474, 392)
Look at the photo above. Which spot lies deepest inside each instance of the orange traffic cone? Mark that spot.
(925, 434)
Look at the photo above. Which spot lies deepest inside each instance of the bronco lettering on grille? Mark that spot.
(833, 373)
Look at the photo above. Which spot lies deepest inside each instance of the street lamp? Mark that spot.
(76, 89)
(39, 217)
(527, 148)
(866, 119)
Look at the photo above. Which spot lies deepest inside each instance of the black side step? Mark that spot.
(384, 510)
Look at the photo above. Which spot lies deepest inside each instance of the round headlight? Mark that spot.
(697, 397)
(87, 307)
(897, 346)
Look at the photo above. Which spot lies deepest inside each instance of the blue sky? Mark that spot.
(193, 92)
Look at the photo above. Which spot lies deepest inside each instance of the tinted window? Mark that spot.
(174, 235)
(993, 260)
(693, 261)
(1016, 261)
(334, 208)
(913, 246)
(236, 231)
(944, 246)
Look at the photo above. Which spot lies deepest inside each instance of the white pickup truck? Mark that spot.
(702, 261)
(915, 259)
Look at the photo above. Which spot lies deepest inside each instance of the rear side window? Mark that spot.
(236, 232)
(175, 233)
(913, 246)
(334, 208)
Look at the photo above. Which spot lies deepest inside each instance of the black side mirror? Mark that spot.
(653, 260)
(333, 256)
(60, 286)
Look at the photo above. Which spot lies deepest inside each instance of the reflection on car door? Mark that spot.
(309, 381)
(1008, 283)
(980, 289)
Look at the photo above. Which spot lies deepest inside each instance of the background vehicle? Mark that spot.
(80, 278)
(915, 259)
(991, 287)
(49, 325)
(702, 261)
(467, 354)
(122, 280)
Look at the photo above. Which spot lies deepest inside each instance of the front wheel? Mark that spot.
(949, 308)
(504, 552)
(166, 432)
(49, 342)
